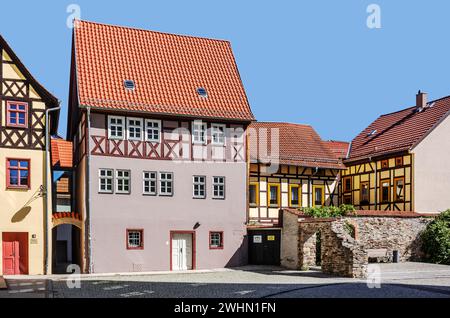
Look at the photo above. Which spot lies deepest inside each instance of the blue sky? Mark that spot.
(313, 62)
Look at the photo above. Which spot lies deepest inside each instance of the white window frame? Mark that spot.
(196, 187)
(149, 179)
(204, 128)
(165, 179)
(140, 127)
(218, 184)
(215, 133)
(124, 179)
(106, 177)
(123, 127)
(153, 121)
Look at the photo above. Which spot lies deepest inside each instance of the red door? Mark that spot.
(15, 253)
(11, 258)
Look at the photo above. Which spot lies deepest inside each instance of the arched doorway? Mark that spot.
(66, 238)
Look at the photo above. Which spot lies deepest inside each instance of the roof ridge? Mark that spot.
(153, 31)
(413, 107)
(282, 122)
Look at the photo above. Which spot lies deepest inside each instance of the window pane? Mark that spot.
(252, 194)
(13, 163)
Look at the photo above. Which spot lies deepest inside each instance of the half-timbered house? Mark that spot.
(290, 167)
(158, 123)
(402, 160)
(24, 170)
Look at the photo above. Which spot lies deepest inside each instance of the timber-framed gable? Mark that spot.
(18, 87)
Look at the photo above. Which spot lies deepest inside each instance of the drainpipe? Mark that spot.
(88, 191)
(46, 192)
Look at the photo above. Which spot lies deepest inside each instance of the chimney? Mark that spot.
(421, 99)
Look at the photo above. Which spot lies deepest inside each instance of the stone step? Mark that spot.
(3, 283)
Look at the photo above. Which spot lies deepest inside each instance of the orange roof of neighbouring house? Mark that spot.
(167, 70)
(62, 153)
(338, 148)
(62, 185)
(299, 145)
(399, 131)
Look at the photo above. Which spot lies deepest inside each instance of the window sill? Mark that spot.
(216, 248)
(218, 198)
(199, 198)
(16, 127)
(18, 188)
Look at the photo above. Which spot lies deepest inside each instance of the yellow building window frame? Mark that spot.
(346, 189)
(256, 185)
(396, 196)
(299, 195)
(382, 181)
(269, 186)
(314, 194)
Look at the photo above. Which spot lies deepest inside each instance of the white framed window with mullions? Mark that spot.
(199, 187)
(153, 130)
(218, 134)
(150, 183)
(165, 183)
(199, 132)
(116, 127)
(134, 129)
(105, 180)
(123, 179)
(218, 184)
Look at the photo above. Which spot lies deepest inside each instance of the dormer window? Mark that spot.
(202, 92)
(129, 84)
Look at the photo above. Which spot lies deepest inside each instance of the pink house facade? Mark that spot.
(159, 125)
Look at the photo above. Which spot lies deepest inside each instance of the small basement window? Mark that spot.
(202, 92)
(129, 84)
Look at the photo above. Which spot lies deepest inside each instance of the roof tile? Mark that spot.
(167, 70)
(299, 145)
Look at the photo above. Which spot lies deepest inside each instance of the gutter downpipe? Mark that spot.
(88, 189)
(46, 193)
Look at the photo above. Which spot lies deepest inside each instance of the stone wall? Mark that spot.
(391, 233)
(341, 253)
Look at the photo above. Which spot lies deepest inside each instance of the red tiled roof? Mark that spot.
(62, 185)
(62, 153)
(167, 70)
(299, 145)
(72, 215)
(399, 131)
(338, 148)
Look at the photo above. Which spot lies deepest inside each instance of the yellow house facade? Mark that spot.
(400, 161)
(291, 167)
(23, 105)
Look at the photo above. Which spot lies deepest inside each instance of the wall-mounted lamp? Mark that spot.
(196, 226)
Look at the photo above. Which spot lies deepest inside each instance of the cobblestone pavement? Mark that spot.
(387, 280)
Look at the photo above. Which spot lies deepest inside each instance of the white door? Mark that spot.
(181, 252)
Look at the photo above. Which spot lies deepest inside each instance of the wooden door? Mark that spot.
(15, 253)
(181, 252)
(11, 258)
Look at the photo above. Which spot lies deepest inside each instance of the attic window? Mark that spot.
(129, 84)
(373, 132)
(202, 92)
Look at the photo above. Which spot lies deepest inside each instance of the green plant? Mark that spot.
(436, 239)
(350, 229)
(328, 211)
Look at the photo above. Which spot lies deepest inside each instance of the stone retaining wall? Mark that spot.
(342, 254)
